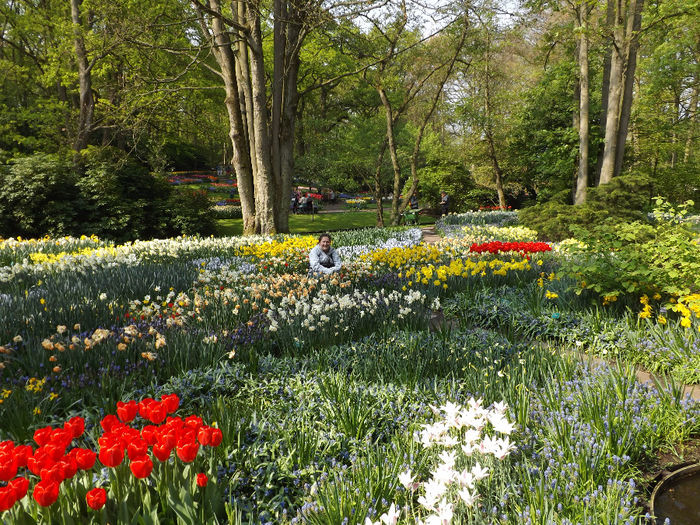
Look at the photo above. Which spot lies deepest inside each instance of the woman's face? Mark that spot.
(325, 244)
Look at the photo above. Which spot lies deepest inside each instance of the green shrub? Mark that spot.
(39, 196)
(191, 213)
(622, 200)
(638, 258)
(124, 200)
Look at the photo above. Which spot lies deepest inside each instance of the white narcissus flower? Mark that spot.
(466, 479)
(500, 423)
(469, 498)
(445, 511)
(406, 479)
(390, 517)
(370, 522)
(478, 472)
(448, 459)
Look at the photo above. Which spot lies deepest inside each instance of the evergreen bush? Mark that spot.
(624, 199)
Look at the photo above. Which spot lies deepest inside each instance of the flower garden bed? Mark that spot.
(329, 400)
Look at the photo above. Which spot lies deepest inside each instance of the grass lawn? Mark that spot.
(324, 222)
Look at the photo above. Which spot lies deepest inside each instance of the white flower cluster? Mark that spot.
(461, 432)
(402, 239)
(325, 310)
(129, 254)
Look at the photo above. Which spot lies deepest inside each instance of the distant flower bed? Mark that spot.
(356, 204)
(227, 211)
(502, 247)
(494, 208)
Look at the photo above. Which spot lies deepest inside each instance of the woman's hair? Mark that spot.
(324, 235)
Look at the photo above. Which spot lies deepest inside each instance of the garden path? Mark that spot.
(430, 236)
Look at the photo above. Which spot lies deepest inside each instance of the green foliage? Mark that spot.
(103, 191)
(39, 196)
(179, 155)
(623, 199)
(124, 201)
(449, 177)
(638, 258)
(191, 213)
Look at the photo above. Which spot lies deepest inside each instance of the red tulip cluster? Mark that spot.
(520, 247)
(53, 463)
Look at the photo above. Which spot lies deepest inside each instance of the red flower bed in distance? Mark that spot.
(520, 247)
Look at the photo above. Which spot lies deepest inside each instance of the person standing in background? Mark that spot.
(444, 203)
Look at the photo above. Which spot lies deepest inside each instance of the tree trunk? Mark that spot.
(224, 55)
(692, 122)
(287, 125)
(265, 190)
(87, 102)
(392, 152)
(278, 78)
(634, 24)
(605, 88)
(625, 44)
(378, 184)
(584, 106)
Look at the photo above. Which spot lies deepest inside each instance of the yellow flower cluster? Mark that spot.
(4, 395)
(35, 385)
(51, 258)
(646, 311)
(398, 258)
(458, 268)
(687, 306)
(276, 248)
(551, 295)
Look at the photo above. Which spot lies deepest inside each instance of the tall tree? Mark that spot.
(623, 44)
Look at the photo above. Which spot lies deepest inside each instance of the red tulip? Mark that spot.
(7, 446)
(144, 404)
(142, 467)
(216, 437)
(148, 433)
(85, 458)
(38, 461)
(111, 456)
(109, 422)
(202, 480)
(62, 436)
(171, 401)
(162, 451)
(137, 449)
(69, 466)
(76, 425)
(188, 451)
(204, 436)
(7, 498)
(96, 498)
(168, 438)
(54, 473)
(156, 413)
(22, 453)
(45, 493)
(20, 486)
(193, 422)
(127, 411)
(54, 451)
(8, 466)
(42, 435)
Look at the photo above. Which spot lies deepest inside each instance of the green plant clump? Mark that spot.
(622, 200)
(638, 258)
